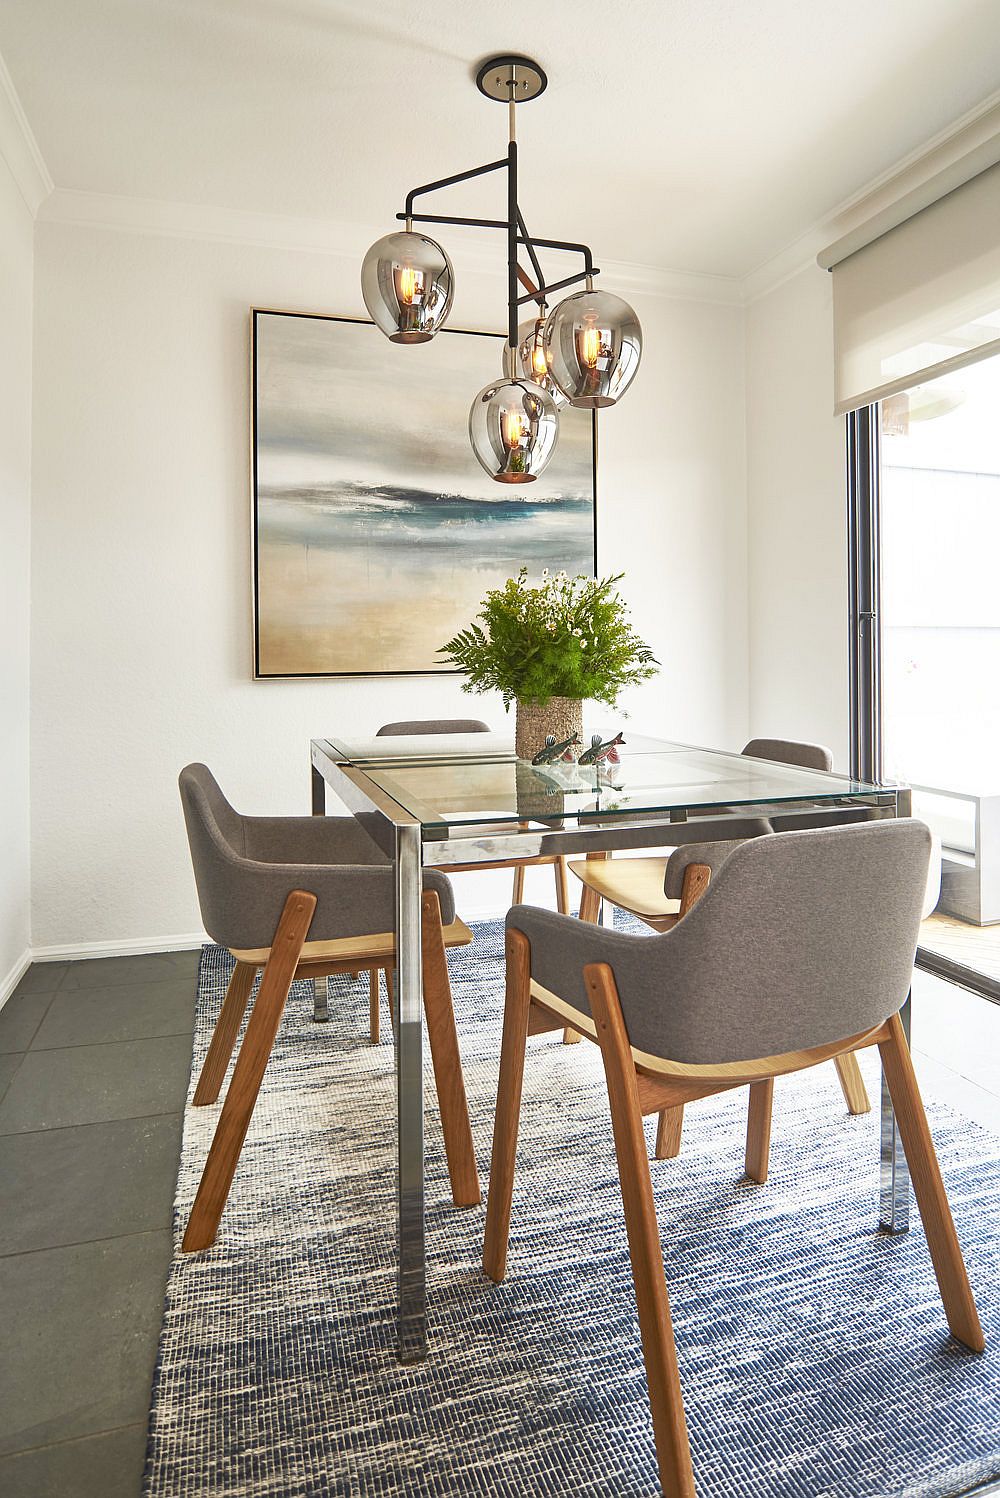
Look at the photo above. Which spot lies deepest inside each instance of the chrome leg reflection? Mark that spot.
(894, 1214)
(412, 1323)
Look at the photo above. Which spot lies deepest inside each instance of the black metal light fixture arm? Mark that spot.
(515, 229)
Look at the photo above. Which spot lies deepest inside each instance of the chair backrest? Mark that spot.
(790, 752)
(433, 725)
(800, 940)
(216, 838)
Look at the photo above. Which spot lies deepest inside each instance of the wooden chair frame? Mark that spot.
(639, 1084)
(289, 957)
(598, 884)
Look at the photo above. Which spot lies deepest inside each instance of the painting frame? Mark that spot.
(256, 313)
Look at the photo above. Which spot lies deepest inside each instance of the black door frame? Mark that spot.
(865, 645)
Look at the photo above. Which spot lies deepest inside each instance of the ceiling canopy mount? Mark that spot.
(511, 75)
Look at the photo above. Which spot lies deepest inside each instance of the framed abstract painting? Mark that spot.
(376, 533)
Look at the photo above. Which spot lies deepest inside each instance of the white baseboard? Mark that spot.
(134, 947)
(10, 980)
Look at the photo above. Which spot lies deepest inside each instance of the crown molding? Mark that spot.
(478, 252)
(933, 166)
(917, 173)
(204, 221)
(19, 148)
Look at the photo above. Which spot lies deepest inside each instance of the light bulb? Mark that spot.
(512, 422)
(590, 351)
(410, 282)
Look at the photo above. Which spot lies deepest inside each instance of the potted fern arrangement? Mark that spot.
(549, 648)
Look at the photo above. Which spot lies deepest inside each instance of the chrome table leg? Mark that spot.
(321, 1000)
(412, 1323)
(318, 792)
(894, 1216)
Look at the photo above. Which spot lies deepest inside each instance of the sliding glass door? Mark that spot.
(925, 522)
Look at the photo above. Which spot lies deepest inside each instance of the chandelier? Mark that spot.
(584, 352)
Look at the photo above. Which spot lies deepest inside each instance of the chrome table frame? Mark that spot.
(401, 837)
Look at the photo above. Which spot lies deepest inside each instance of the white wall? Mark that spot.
(140, 615)
(16, 232)
(797, 519)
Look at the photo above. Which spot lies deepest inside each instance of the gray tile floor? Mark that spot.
(94, 1065)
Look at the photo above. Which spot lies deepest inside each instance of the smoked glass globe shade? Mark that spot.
(513, 428)
(408, 284)
(593, 344)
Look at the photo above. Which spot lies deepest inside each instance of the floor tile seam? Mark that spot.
(84, 1123)
(110, 984)
(94, 1123)
(40, 1022)
(25, 1253)
(88, 1045)
(111, 981)
(90, 1435)
(7, 1085)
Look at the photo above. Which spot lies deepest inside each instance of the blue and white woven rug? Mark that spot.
(814, 1352)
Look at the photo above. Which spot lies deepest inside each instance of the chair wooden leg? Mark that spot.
(234, 1120)
(852, 1083)
(512, 1050)
(227, 1027)
(759, 1129)
(518, 886)
(374, 1029)
(446, 1059)
(928, 1187)
(590, 900)
(562, 885)
(673, 1451)
(669, 1124)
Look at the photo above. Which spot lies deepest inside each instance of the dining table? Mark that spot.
(464, 800)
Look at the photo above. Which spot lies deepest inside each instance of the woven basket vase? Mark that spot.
(562, 716)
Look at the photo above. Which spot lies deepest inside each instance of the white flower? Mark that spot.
(578, 633)
(545, 572)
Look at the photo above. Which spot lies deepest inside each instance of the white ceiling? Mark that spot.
(700, 135)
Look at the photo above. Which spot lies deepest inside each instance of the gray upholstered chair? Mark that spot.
(766, 974)
(636, 884)
(639, 887)
(305, 897)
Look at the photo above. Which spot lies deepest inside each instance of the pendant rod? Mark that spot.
(512, 220)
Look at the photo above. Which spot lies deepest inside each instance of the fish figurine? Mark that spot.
(553, 751)
(598, 751)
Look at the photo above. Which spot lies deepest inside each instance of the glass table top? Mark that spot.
(465, 780)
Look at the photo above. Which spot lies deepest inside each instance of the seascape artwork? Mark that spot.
(376, 530)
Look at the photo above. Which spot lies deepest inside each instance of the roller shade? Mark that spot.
(920, 300)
